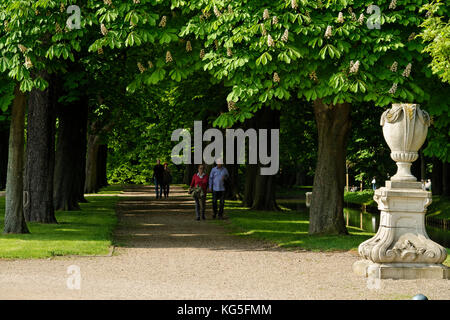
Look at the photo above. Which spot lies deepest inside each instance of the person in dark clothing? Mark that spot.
(167, 180)
(158, 174)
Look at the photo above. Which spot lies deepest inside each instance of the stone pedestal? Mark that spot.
(401, 249)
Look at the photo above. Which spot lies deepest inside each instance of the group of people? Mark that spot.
(162, 178)
(201, 184)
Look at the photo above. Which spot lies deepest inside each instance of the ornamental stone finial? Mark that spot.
(405, 128)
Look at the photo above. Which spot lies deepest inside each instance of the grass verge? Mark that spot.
(360, 197)
(85, 232)
(289, 229)
(440, 207)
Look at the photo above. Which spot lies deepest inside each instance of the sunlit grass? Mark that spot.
(85, 232)
(289, 229)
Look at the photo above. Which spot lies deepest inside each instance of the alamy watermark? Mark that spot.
(74, 21)
(257, 147)
(73, 282)
(374, 21)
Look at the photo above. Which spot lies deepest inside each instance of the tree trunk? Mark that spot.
(14, 218)
(264, 196)
(70, 151)
(102, 180)
(436, 177)
(41, 154)
(91, 185)
(259, 191)
(327, 205)
(250, 184)
(81, 168)
(233, 192)
(423, 173)
(4, 138)
(445, 179)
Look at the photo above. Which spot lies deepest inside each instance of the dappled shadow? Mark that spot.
(145, 222)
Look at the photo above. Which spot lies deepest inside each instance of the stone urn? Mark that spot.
(401, 248)
(405, 128)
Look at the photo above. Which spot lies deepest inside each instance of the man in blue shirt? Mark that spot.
(217, 186)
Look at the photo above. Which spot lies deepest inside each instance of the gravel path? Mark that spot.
(166, 254)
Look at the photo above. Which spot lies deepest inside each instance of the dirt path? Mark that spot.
(166, 254)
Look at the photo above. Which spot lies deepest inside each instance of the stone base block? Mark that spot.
(369, 269)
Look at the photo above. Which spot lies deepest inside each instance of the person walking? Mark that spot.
(166, 180)
(198, 187)
(158, 172)
(217, 186)
(374, 184)
(428, 185)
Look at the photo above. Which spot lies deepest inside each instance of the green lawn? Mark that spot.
(360, 197)
(85, 232)
(440, 207)
(289, 229)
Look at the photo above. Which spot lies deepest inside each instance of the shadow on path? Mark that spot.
(145, 222)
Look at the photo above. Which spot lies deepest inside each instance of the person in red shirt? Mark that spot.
(200, 179)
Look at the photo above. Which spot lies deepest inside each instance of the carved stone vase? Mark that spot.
(401, 249)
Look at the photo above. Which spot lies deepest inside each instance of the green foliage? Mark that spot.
(6, 98)
(368, 155)
(436, 34)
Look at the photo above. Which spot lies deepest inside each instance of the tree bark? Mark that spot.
(326, 211)
(81, 168)
(264, 196)
(102, 180)
(91, 185)
(423, 173)
(445, 179)
(250, 183)
(259, 191)
(436, 177)
(40, 155)
(70, 151)
(14, 217)
(4, 142)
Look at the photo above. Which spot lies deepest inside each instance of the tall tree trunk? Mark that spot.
(445, 179)
(423, 173)
(91, 185)
(70, 150)
(250, 184)
(102, 180)
(326, 211)
(259, 190)
(264, 198)
(40, 155)
(233, 191)
(81, 168)
(4, 141)
(436, 177)
(14, 218)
